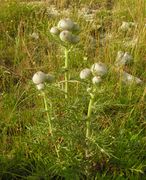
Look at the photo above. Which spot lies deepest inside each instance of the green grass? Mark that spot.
(118, 141)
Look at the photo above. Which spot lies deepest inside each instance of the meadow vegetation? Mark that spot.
(116, 148)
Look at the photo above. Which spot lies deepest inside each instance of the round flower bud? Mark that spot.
(66, 24)
(99, 69)
(40, 86)
(54, 30)
(39, 77)
(85, 73)
(96, 80)
(66, 36)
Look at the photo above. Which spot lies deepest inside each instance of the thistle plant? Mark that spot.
(94, 76)
(66, 34)
(39, 79)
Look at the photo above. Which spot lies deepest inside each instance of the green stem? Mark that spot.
(66, 71)
(49, 121)
(89, 115)
(48, 115)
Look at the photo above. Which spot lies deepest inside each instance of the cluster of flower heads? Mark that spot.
(96, 72)
(40, 78)
(66, 30)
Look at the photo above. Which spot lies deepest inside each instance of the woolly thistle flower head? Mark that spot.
(96, 80)
(54, 30)
(65, 29)
(39, 77)
(40, 86)
(67, 36)
(85, 73)
(99, 69)
(66, 24)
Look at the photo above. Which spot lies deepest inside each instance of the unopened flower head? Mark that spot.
(66, 24)
(40, 86)
(96, 80)
(66, 36)
(85, 73)
(39, 77)
(54, 30)
(99, 69)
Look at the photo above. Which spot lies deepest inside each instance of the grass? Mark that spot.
(118, 140)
